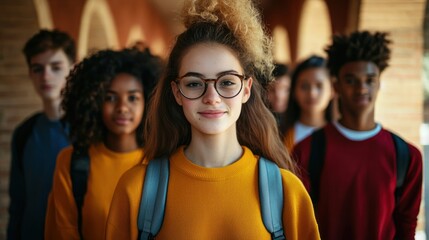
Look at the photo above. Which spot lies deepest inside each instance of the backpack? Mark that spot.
(79, 171)
(317, 158)
(154, 194)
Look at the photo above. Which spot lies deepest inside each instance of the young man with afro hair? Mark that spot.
(352, 166)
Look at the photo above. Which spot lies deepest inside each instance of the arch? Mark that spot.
(281, 44)
(44, 16)
(96, 20)
(136, 34)
(315, 29)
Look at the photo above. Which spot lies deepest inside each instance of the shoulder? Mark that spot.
(26, 125)
(133, 178)
(294, 191)
(414, 151)
(290, 180)
(64, 158)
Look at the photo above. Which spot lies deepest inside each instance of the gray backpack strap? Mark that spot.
(153, 200)
(271, 197)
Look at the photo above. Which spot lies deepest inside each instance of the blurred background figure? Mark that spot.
(310, 102)
(36, 141)
(278, 92)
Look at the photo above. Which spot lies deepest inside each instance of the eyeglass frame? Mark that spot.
(206, 80)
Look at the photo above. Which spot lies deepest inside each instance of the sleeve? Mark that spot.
(407, 208)
(50, 219)
(16, 194)
(298, 215)
(123, 213)
(61, 218)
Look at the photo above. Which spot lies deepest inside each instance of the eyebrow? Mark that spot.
(196, 74)
(50, 63)
(130, 91)
(354, 75)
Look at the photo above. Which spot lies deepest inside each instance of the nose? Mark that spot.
(211, 96)
(47, 73)
(122, 105)
(314, 91)
(363, 87)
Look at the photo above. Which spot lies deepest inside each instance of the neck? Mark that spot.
(313, 119)
(52, 109)
(361, 122)
(214, 151)
(121, 144)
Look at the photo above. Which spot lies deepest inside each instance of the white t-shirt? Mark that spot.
(302, 131)
(357, 135)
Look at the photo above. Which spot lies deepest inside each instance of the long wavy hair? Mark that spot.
(167, 127)
(293, 110)
(88, 84)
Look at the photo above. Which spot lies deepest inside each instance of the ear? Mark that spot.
(176, 93)
(333, 91)
(247, 87)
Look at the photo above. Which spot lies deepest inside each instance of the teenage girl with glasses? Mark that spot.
(207, 116)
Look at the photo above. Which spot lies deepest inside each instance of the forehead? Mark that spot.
(314, 73)
(125, 80)
(359, 68)
(49, 57)
(209, 59)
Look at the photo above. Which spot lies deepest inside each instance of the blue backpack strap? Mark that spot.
(315, 164)
(154, 197)
(271, 197)
(402, 163)
(79, 170)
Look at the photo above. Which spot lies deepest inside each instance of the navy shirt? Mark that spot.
(31, 183)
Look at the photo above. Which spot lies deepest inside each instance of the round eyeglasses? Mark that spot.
(193, 86)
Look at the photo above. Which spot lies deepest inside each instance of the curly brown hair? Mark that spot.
(87, 86)
(358, 46)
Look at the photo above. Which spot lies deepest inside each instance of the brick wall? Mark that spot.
(18, 21)
(400, 101)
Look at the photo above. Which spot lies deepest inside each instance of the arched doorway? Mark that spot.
(43, 14)
(97, 29)
(281, 46)
(314, 30)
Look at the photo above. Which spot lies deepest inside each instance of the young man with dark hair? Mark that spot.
(50, 56)
(365, 182)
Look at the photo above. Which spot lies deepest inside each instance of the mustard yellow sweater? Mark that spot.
(211, 203)
(106, 168)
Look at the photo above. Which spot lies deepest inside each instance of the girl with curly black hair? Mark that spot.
(104, 101)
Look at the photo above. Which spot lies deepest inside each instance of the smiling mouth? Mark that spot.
(122, 121)
(212, 114)
(47, 87)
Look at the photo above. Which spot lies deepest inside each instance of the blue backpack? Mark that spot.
(154, 196)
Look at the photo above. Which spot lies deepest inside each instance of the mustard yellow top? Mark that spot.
(106, 167)
(211, 203)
